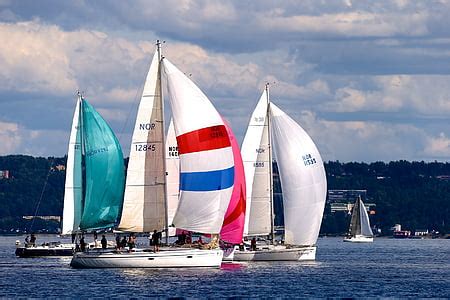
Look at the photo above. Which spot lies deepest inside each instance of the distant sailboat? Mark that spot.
(359, 230)
(206, 174)
(303, 182)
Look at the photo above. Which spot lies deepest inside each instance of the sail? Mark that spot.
(73, 187)
(172, 175)
(206, 157)
(104, 175)
(255, 156)
(144, 199)
(233, 224)
(355, 222)
(364, 217)
(302, 176)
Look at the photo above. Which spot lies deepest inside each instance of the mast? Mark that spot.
(163, 129)
(82, 145)
(272, 216)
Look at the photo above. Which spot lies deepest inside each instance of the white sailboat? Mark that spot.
(359, 230)
(303, 182)
(206, 174)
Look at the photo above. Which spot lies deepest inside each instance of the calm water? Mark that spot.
(386, 268)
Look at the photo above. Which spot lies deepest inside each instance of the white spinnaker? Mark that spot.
(73, 188)
(144, 199)
(364, 217)
(173, 175)
(199, 211)
(255, 156)
(302, 176)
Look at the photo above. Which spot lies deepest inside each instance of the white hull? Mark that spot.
(177, 258)
(276, 253)
(359, 239)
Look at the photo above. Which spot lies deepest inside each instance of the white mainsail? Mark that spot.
(206, 157)
(302, 176)
(144, 200)
(173, 175)
(73, 187)
(255, 156)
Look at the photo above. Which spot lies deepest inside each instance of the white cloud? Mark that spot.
(438, 147)
(9, 137)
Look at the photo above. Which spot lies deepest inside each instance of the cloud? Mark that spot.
(370, 141)
(9, 137)
(438, 147)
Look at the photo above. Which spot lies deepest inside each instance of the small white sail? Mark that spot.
(303, 179)
(173, 175)
(73, 188)
(144, 200)
(206, 157)
(255, 156)
(364, 219)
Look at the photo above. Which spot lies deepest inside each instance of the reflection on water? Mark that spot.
(386, 268)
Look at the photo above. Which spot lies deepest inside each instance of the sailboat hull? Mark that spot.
(56, 250)
(359, 239)
(179, 258)
(277, 253)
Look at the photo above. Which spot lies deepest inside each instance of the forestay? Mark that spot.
(206, 158)
(144, 200)
(255, 156)
(302, 176)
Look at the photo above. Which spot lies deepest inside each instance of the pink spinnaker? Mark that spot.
(233, 223)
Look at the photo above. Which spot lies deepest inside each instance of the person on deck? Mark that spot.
(104, 242)
(27, 241)
(253, 244)
(123, 243)
(82, 244)
(33, 240)
(118, 245)
(131, 242)
(156, 239)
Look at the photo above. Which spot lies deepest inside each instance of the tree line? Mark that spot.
(414, 194)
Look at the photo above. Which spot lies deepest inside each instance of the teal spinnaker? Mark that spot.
(104, 172)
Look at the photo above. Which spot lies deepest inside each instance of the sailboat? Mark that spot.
(94, 180)
(206, 174)
(303, 181)
(359, 230)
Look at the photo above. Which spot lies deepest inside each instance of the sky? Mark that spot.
(368, 80)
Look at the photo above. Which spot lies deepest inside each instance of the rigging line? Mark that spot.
(133, 107)
(42, 194)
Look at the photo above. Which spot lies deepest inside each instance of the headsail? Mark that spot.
(364, 217)
(73, 187)
(104, 179)
(172, 175)
(206, 157)
(233, 224)
(144, 199)
(302, 176)
(255, 155)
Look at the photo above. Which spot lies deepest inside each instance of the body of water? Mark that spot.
(385, 268)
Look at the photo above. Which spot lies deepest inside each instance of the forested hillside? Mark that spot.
(414, 194)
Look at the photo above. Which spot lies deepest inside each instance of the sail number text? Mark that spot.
(308, 160)
(147, 126)
(145, 147)
(258, 164)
